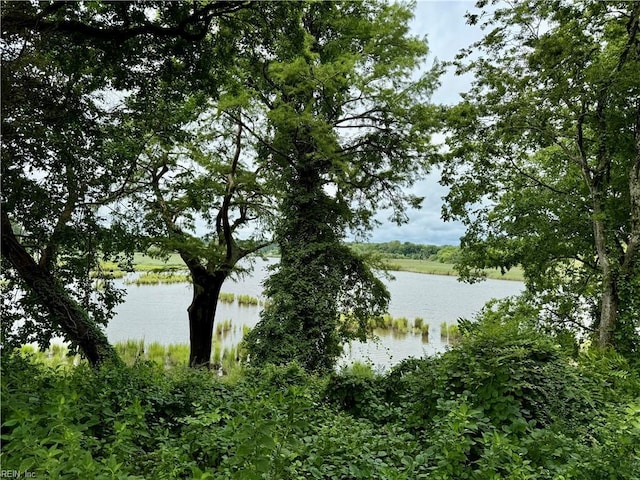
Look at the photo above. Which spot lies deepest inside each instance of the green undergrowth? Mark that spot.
(225, 359)
(506, 402)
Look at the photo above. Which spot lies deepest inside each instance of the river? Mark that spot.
(158, 313)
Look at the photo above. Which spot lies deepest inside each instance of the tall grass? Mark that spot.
(449, 333)
(437, 268)
(104, 274)
(453, 332)
(57, 355)
(422, 328)
(226, 297)
(399, 325)
(154, 278)
(130, 350)
(156, 352)
(177, 354)
(216, 357)
(248, 300)
(222, 328)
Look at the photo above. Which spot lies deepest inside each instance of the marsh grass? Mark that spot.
(453, 332)
(400, 325)
(421, 328)
(384, 322)
(156, 352)
(57, 355)
(248, 300)
(107, 274)
(177, 354)
(436, 268)
(224, 327)
(130, 350)
(226, 360)
(155, 278)
(216, 357)
(226, 297)
(232, 360)
(449, 333)
(141, 263)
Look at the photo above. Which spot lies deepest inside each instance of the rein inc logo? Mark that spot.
(16, 474)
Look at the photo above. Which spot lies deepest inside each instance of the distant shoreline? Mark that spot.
(426, 267)
(143, 263)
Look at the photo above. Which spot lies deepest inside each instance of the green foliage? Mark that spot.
(448, 254)
(542, 159)
(349, 71)
(71, 146)
(503, 403)
(397, 249)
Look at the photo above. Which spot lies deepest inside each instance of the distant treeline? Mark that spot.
(397, 249)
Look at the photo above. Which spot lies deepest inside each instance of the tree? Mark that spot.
(344, 130)
(68, 149)
(207, 178)
(544, 160)
(206, 175)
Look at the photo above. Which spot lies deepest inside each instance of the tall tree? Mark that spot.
(68, 148)
(344, 131)
(544, 162)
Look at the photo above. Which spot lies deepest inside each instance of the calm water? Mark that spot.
(158, 313)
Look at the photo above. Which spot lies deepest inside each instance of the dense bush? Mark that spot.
(507, 402)
(504, 403)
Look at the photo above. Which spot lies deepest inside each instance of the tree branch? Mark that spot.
(202, 17)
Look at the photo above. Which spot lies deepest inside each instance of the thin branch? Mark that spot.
(223, 226)
(262, 141)
(536, 180)
(50, 251)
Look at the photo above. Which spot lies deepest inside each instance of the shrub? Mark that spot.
(426, 419)
(356, 389)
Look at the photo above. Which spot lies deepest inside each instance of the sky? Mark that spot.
(444, 24)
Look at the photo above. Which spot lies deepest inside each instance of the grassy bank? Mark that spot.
(436, 268)
(144, 263)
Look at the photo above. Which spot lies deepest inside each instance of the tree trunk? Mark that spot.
(609, 300)
(202, 312)
(70, 317)
(609, 312)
